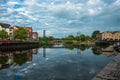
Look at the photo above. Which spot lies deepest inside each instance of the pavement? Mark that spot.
(111, 71)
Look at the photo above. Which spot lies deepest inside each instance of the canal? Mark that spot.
(56, 63)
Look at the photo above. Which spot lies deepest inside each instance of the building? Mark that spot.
(35, 36)
(29, 31)
(107, 36)
(15, 27)
(98, 36)
(116, 35)
(8, 29)
(11, 33)
(5, 27)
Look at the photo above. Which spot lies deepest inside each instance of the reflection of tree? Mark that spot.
(69, 46)
(3, 60)
(96, 50)
(82, 47)
(20, 58)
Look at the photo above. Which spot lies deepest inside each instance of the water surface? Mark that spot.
(54, 64)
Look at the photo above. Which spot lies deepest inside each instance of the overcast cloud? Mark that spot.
(62, 17)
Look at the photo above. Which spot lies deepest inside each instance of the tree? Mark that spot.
(70, 37)
(50, 37)
(3, 34)
(82, 37)
(20, 33)
(95, 33)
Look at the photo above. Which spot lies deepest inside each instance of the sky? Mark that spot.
(62, 17)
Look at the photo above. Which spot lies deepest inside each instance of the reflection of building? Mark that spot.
(16, 58)
(35, 51)
(6, 60)
(29, 55)
(107, 53)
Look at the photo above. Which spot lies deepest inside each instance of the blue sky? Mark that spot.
(62, 17)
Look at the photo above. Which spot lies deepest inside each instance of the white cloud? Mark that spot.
(69, 16)
(93, 2)
(12, 3)
(10, 10)
(117, 2)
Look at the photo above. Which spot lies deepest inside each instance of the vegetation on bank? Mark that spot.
(71, 39)
(20, 33)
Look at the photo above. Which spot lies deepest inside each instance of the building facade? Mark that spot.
(5, 27)
(29, 31)
(109, 36)
(116, 36)
(10, 30)
(35, 36)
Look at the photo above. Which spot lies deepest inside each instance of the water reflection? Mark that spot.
(107, 51)
(57, 63)
(16, 58)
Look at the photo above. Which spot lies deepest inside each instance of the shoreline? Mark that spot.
(111, 71)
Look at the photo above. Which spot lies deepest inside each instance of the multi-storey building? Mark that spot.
(116, 35)
(35, 36)
(107, 36)
(10, 30)
(6, 27)
(29, 31)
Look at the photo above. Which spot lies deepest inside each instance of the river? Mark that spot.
(56, 63)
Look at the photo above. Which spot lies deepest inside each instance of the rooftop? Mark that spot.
(5, 25)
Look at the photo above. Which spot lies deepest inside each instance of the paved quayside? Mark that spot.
(111, 71)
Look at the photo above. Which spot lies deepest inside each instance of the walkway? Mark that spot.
(111, 71)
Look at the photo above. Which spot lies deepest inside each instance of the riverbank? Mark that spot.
(17, 45)
(111, 71)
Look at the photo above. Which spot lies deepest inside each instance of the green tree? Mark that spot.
(94, 34)
(70, 37)
(20, 33)
(50, 37)
(82, 37)
(3, 34)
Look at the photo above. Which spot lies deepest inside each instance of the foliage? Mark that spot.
(94, 34)
(68, 42)
(46, 41)
(20, 33)
(3, 34)
(82, 37)
(71, 37)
